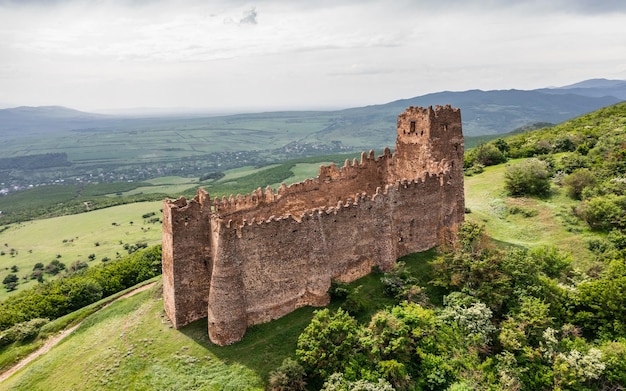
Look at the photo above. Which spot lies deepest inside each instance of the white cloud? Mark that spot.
(91, 54)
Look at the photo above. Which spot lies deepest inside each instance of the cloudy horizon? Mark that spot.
(275, 54)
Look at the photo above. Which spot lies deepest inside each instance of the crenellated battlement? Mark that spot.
(246, 259)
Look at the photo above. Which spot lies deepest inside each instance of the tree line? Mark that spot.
(84, 286)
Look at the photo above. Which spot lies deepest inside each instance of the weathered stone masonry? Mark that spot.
(249, 259)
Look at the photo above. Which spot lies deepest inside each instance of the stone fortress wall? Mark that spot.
(249, 259)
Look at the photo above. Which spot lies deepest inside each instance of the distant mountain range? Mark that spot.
(483, 112)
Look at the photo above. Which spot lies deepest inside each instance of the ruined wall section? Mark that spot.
(186, 259)
(429, 142)
(335, 243)
(332, 185)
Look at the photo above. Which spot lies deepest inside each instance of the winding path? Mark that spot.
(52, 341)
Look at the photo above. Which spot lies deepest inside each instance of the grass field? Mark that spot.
(553, 223)
(102, 233)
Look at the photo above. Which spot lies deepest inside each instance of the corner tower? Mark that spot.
(429, 140)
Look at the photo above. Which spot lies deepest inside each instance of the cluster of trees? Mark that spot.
(82, 287)
(510, 319)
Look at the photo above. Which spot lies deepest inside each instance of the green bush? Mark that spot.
(485, 155)
(328, 342)
(576, 182)
(528, 177)
(290, 376)
(604, 212)
(21, 332)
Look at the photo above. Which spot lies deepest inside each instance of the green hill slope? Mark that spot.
(549, 314)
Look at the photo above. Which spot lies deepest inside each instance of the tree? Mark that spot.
(528, 177)
(328, 343)
(337, 382)
(77, 266)
(486, 155)
(472, 316)
(10, 282)
(54, 267)
(36, 274)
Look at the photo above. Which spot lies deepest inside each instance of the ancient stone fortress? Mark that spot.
(249, 259)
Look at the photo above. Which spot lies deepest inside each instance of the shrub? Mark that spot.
(10, 281)
(337, 382)
(614, 359)
(338, 290)
(528, 177)
(290, 376)
(398, 281)
(485, 155)
(576, 182)
(604, 212)
(326, 345)
(355, 301)
(54, 267)
(22, 331)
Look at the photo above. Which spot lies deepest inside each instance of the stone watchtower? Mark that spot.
(249, 259)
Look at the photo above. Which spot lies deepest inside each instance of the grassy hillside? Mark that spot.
(525, 221)
(551, 314)
(132, 343)
(101, 234)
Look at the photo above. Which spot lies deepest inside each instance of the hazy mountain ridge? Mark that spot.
(44, 118)
(592, 88)
(483, 112)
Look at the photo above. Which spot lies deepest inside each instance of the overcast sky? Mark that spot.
(272, 54)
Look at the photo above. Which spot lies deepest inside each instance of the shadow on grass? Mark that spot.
(263, 347)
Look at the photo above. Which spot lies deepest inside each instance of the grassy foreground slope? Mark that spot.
(131, 345)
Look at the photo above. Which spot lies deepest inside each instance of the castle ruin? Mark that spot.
(245, 260)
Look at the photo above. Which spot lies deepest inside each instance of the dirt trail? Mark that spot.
(52, 341)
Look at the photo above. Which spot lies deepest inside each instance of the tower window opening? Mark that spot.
(412, 126)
